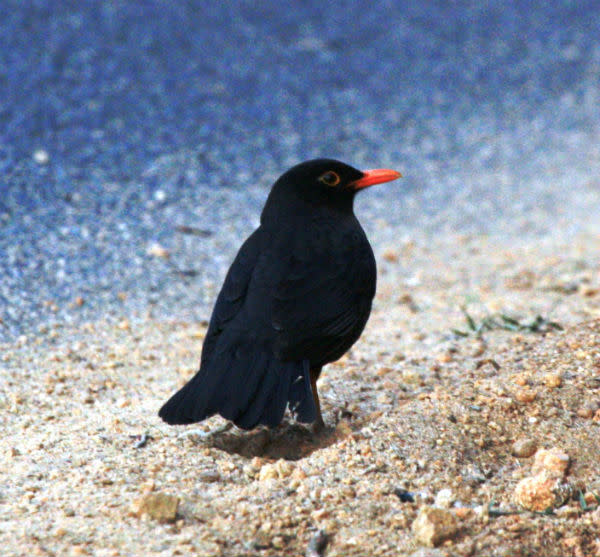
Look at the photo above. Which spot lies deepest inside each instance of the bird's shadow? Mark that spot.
(290, 441)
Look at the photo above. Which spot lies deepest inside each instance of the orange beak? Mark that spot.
(372, 177)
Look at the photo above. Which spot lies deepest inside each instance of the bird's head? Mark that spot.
(325, 182)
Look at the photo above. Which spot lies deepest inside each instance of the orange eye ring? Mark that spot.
(330, 178)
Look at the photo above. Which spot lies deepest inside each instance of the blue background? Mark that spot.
(157, 114)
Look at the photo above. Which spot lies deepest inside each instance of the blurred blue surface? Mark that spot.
(119, 120)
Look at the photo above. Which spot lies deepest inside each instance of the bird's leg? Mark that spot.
(318, 424)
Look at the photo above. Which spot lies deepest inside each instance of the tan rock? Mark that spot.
(267, 472)
(522, 380)
(158, 506)
(553, 380)
(524, 448)
(526, 395)
(554, 462)
(569, 511)
(278, 542)
(319, 514)
(444, 498)
(434, 526)
(298, 474)
(390, 255)
(585, 412)
(284, 468)
(463, 513)
(277, 470)
(541, 492)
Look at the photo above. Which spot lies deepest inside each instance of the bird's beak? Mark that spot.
(372, 177)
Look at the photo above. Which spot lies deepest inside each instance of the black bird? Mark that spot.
(297, 296)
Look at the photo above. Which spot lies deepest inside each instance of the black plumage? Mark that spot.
(297, 296)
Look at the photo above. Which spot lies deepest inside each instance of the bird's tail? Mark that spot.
(248, 386)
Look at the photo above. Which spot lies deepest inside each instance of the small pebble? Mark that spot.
(524, 448)
(554, 462)
(585, 412)
(526, 395)
(463, 513)
(277, 470)
(319, 514)
(482, 512)
(422, 552)
(541, 492)
(553, 380)
(318, 544)
(404, 495)
(278, 542)
(210, 477)
(390, 255)
(568, 511)
(158, 506)
(434, 526)
(444, 498)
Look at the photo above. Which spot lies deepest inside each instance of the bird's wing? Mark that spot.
(240, 377)
(322, 304)
(233, 293)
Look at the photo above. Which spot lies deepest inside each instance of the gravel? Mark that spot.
(412, 409)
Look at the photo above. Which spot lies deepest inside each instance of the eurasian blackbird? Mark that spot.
(297, 296)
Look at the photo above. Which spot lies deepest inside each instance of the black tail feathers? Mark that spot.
(181, 407)
(249, 387)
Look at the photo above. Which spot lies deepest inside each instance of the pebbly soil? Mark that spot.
(414, 406)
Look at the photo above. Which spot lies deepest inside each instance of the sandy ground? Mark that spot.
(414, 407)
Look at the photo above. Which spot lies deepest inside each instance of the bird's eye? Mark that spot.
(330, 178)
